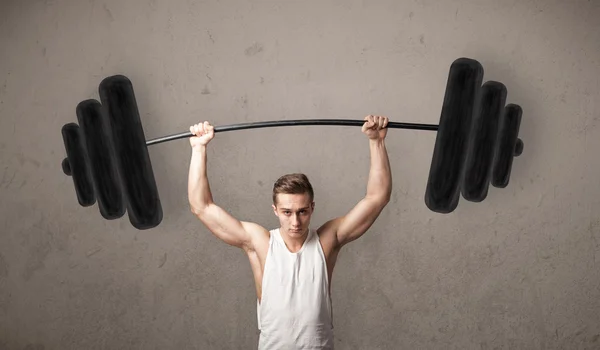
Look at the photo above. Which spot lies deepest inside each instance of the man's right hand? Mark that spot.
(204, 133)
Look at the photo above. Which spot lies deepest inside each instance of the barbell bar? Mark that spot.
(296, 122)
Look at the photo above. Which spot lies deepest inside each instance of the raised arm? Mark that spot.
(223, 225)
(379, 187)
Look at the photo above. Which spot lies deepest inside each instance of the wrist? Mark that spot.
(377, 142)
(198, 148)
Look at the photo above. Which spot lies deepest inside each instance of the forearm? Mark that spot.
(379, 185)
(199, 193)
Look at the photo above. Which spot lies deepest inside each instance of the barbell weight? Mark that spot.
(130, 151)
(76, 164)
(509, 145)
(482, 141)
(104, 175)
(462, 93)
(476, 141)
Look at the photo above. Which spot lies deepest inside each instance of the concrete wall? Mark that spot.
(516, 271)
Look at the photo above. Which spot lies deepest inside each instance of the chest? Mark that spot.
(291, 269)
(303, 265)
(306, 267)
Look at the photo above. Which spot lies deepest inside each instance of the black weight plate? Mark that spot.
(508, 132)
(101, 154)
(464, 82)
(77, 164)
(482, 141)
(138, 183)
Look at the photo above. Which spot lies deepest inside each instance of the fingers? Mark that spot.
(207, 128)
(375, 121)
(201, 128)
(382, 122)
(368, 123)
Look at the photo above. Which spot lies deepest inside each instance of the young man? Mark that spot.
(293, 264)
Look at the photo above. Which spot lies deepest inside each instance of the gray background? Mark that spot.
(516, 271)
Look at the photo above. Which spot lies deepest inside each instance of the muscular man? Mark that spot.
(293, 264)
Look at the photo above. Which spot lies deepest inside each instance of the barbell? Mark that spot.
(107, 152)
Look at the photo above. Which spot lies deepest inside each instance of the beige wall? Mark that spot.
(516, 271)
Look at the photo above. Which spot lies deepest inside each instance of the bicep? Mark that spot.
(226, 227)
(358, 220)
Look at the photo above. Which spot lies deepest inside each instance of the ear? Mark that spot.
(275, 210)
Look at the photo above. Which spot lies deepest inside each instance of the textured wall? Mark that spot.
(517, 271)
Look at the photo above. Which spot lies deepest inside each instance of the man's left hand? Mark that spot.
(375, 127)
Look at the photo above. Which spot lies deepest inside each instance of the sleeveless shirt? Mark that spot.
(295, 310)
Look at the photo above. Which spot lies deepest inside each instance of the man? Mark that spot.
(293, 265)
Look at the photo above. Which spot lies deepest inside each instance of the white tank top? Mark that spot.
(295, 311)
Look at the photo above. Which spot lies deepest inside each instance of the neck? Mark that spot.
(294, 244)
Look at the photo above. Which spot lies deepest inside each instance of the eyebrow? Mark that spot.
(291, 209)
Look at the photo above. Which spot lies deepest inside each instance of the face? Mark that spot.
(294, 212)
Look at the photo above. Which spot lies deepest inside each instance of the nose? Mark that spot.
(295, 221)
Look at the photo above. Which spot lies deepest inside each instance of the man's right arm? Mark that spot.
(223, 225)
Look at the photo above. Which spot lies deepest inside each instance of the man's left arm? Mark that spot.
(379, 187)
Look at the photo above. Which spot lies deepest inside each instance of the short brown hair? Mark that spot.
(292, 184)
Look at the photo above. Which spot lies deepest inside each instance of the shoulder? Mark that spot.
(257, 234)
(328, 234)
